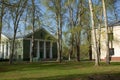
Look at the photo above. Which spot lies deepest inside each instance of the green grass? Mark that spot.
(57, 71)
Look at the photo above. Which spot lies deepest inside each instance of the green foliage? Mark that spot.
(29, 27)
(76, 29)
(84, 51)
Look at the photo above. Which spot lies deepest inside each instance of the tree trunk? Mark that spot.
(90, 47)
(58, 47)
(1, 19)
(0, 29)
(33, 25)
(72, 25)
(95, 47)
(90, 52)
(59, 28)
(69, 55)
(70, 50)
(106, 32)
(78, 52)
(16, 16)
(13, 48)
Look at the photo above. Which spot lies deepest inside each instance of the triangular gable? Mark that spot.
(39, 30)
(4, 37)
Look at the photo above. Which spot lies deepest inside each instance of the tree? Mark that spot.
(106, 32)
(33, 19)
(71, 26)
(16, 11)
(76, 11)
(33, 27)
(56, 6)
(2, 13)
(95, 46)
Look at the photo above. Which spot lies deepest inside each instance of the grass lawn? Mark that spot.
(59, 71)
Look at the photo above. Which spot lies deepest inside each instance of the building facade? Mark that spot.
(45, 46)
(114, 42)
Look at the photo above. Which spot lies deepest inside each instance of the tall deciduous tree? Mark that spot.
(95, 46)
(16, 11)
(76, 11)
(33, 18)
(33, 27)
(2, 12)
(106, 32)
(71, 26)
(56, 7)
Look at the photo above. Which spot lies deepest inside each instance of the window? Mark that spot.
(110, 36)
(111, 51)
(19, 57)
(41, 35)
(35, 49)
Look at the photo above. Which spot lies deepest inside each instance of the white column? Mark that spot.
(44, 50)
(8, 50)
(38, 50)
(5, 50)
(30, 48)
(1, 50)
(51, 55)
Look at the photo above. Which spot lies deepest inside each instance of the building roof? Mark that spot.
(117, 23)
(4, 36)
(30, 33)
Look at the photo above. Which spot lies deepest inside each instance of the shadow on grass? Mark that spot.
(43, 66)
(105, 76)
(67, 77)
(25, 66)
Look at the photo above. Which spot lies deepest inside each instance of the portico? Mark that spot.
(43, 49)
(45, 46)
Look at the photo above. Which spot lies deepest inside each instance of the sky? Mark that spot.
(51, 23)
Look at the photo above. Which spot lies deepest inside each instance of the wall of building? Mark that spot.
(18, 54)
(114, 44)
(4, 47)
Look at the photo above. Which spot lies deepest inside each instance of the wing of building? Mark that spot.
(114, 42)
(45, 46)
(4, 47)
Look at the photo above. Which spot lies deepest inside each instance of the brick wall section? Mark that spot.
(113, 59)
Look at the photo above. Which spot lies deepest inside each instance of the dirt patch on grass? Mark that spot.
(104, 77)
